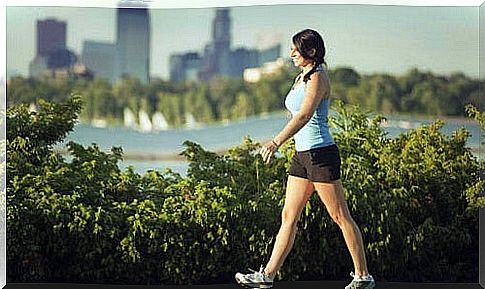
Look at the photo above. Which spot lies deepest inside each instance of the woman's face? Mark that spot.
(298, 60)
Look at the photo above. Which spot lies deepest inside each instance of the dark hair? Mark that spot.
(305, 41)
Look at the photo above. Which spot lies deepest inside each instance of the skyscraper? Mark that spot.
(221, 30)
(99, 57)
(51, 36)
(217, 53)
(51, 51)
(132, 41)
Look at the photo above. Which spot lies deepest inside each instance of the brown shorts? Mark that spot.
(317, 165)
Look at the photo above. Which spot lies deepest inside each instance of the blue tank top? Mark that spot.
(315, 133)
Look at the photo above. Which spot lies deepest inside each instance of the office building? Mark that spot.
(51, 36)
(52, 53)
(185, 67)
(132, 41)
(99, 57)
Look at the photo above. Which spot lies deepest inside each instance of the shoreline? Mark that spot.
(459, 120)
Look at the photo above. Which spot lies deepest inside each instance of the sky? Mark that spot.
(369, 38)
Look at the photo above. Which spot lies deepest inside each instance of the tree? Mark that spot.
(198, 103)
(172, 107)
(129, 92)
(244, 106)
(345, 76)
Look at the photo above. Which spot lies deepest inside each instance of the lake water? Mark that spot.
(159, 150)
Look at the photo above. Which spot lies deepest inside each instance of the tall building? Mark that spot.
(51, 51)
(99, 57)
(132, 41)
(217, 53)
(51, 36)
(221, 30)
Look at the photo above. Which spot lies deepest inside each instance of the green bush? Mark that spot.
(415, 197)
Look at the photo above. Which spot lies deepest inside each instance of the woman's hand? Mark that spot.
(268, 150)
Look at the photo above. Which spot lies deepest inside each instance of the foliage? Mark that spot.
(415, 197)
(416, 194)
(479, 116)
(224, 98)
(474, 113)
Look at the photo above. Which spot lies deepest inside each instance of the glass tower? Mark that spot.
(132, 41)
(51, 36)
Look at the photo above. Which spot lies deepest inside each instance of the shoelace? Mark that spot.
(261, 270)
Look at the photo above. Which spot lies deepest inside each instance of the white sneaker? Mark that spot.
(255, 279)
(361, 282)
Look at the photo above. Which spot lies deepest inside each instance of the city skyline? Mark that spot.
(395, 38)
(218, 59)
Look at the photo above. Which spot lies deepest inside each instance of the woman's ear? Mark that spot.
(312, 52)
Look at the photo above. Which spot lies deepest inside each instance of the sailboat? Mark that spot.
(190, 122)
(159, 122)
(145, 123)
(129, 118)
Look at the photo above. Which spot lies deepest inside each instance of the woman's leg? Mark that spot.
(298, 191)
(332, 195)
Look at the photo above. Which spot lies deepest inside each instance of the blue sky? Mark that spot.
(368, 38)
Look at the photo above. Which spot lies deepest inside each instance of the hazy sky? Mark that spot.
(369, 38)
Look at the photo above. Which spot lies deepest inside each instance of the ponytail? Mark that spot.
(307, 40)
(306, 77)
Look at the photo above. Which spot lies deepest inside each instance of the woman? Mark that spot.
(315, 166)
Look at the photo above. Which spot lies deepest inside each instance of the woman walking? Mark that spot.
(315, 166)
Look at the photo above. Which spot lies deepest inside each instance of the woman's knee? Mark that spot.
(341, 217)
(289, 217)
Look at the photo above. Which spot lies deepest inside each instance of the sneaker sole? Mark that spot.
(370, 286)
(262, 286)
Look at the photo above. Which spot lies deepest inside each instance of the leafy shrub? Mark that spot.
(415, 197)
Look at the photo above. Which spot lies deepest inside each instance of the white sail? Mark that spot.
(159, 122)
(129, 118)
(145, 123)
(190, 121)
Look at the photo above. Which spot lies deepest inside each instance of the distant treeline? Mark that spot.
(415, 92)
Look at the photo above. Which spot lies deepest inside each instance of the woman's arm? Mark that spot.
(316, 88)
